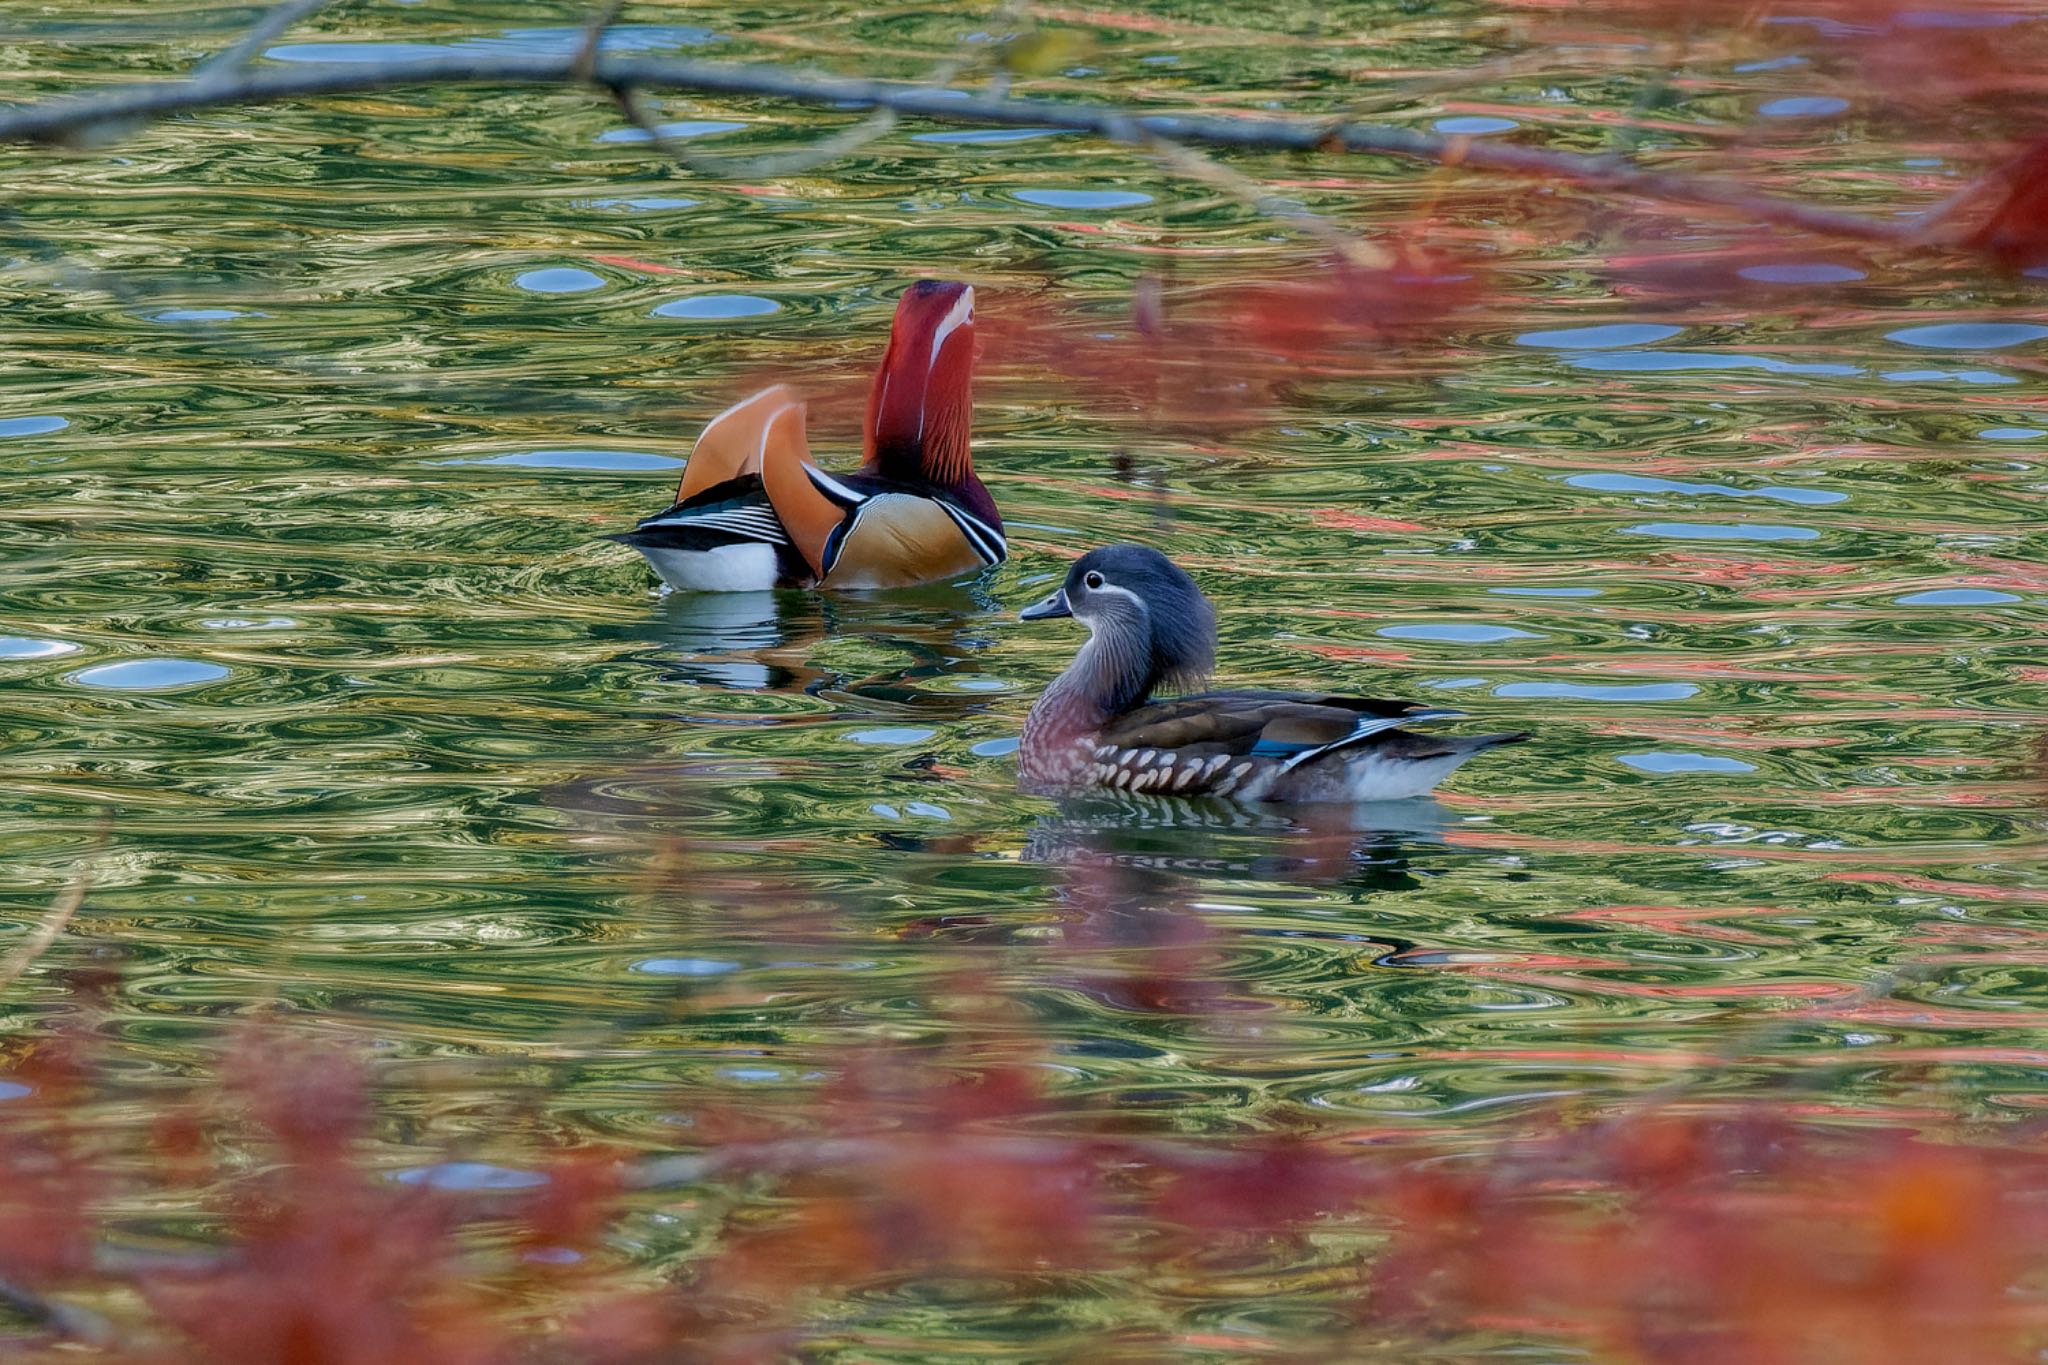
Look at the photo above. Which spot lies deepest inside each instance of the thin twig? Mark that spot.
(39, 940)
(1196, 166)
(68, 117)
(593, 38)
(878, 124)
(75, 1324)
(625, 96)
(270, 26)
(827, 149)
(640, 116)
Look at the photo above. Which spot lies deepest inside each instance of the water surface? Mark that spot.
(311, 647)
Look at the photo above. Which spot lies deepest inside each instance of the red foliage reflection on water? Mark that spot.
(1656, 1236)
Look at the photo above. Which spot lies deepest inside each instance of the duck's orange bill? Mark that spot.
(736, 441)
(921, 405)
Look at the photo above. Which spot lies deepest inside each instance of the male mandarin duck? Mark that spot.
(1148, 625)
(753, 512)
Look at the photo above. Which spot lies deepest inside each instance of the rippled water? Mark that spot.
(310, 647)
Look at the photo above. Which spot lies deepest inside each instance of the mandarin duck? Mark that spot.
(753, 512)
(1149, 625)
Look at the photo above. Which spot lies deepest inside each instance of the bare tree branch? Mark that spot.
(70, 118)
(75, 1324)
(43, 935)
(1196, 166)
(850, 140)
(593, 38)
(252, 44)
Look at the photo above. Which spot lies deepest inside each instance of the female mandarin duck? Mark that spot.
(1148, 624)
(753, 512)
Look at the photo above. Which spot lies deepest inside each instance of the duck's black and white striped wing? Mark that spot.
(726, 539)
(736, 511)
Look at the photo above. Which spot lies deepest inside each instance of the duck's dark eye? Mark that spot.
(1093, 579)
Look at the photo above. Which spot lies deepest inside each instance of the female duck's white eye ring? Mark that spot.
(1093, 579)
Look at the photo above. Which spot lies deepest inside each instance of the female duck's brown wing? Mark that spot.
(1222, 743)
(1279, 723)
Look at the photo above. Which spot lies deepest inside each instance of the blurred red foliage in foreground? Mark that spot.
(1713, 1235)
(1197, 356)
(2014, 230)
(1969, 64)
(1193, 357)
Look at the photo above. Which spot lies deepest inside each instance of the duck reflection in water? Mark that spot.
(771, 640)
(1366, 847)
(1138, 878)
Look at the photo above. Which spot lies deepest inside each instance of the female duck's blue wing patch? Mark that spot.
(1368, 727)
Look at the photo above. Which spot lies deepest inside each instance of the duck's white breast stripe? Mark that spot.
(833, 489)
(985, 539)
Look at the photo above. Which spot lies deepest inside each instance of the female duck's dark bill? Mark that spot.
(1046, 608)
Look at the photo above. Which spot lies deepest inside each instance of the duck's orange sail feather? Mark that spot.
(736, 441)
(800, 504)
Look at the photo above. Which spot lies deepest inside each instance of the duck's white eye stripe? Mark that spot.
(1126, 593)
(961, 313)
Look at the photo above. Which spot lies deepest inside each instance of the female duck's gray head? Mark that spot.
(1148, 623)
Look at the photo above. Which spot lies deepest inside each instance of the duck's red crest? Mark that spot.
(921, 407)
